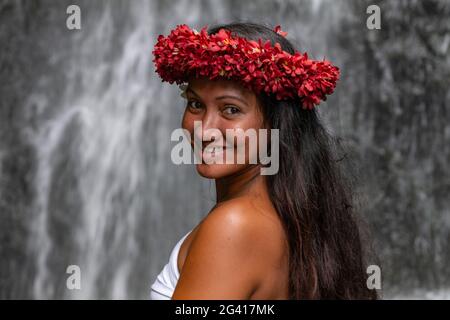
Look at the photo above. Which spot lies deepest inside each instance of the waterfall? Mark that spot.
(101, 156)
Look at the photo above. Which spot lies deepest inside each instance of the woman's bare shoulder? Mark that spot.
(248, 226)
(247, 215)
(233, 220)
(227, 255)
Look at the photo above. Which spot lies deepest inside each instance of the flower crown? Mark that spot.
(258, 65)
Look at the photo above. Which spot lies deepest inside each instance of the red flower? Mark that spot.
(256, 64)
(280, 32)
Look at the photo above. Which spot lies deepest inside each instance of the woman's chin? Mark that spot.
(216, 171)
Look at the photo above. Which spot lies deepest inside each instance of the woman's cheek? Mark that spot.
(187, 123)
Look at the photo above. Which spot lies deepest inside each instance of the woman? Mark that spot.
(289, 235)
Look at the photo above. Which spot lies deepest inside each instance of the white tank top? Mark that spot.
(166, 281)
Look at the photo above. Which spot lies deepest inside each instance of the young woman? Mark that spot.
(289, 235)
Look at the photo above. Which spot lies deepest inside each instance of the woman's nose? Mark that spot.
(210, 126)
(209, 119)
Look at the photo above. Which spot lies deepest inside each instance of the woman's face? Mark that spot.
(221, 105)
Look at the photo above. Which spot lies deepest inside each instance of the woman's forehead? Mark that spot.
(219, 85)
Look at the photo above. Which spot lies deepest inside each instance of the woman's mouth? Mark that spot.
(214, 154)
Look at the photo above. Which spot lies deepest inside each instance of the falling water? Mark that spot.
(101, 157)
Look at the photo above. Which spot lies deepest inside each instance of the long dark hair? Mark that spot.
(311, 196)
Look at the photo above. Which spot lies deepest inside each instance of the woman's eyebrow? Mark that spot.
(188, 89)
(229, 96)
(232, 97)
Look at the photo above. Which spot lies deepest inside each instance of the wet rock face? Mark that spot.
(85, 171)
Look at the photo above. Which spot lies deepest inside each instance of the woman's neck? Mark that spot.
(244, 182)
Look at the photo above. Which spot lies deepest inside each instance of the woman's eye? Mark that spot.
(231, 110)
(193, 104)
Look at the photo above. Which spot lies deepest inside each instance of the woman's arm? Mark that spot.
(224, 260)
